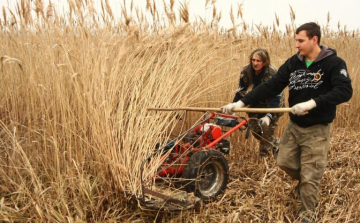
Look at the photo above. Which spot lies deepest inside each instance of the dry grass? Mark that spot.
(74, 127)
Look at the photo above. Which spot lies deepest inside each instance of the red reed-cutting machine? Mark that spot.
(196, 158)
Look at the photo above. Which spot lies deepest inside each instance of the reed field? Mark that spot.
(74, 125)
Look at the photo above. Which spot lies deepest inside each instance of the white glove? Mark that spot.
(303, 108)
(265, 121)
(227, 109)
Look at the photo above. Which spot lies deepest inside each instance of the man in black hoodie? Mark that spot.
(318, 81)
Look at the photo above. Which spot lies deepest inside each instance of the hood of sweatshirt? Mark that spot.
(325, 52)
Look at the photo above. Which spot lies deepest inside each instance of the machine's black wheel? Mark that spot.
(206, 174)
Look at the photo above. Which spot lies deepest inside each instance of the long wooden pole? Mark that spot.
(252, 110)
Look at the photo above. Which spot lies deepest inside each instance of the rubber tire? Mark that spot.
(207, 162)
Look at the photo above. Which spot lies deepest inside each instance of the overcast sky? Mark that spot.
(257, 11)
(263, 11)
